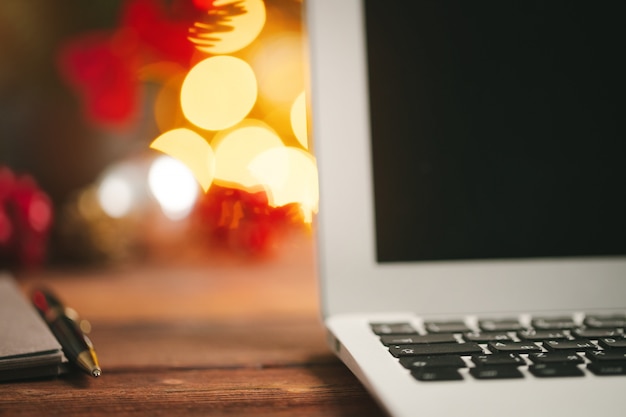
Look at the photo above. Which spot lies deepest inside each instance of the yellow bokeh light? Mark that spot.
(218, 92)
(235, 148)
(298, 120)
(278, 63)
(192, 150)
(245, 27)
(289, 176)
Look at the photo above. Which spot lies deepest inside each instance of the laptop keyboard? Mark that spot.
(546, 347)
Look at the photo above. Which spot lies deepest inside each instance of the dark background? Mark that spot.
(42, 128)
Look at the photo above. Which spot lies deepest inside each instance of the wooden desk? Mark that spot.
(222, 338)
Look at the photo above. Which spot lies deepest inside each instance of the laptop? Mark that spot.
(472, 222)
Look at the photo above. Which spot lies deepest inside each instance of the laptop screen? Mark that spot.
(497, 128)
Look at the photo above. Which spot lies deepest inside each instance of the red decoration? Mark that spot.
(103, 70)
(204, 4)
(25, 220)
(243, 221)
(103, 67)
(162, 34)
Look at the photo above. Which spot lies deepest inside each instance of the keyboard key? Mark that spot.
(576, 345)
(607, 362)
(435, 349)
(446, 327)
(392, 328)
(556, 357)
(513, 347)
(597, 333)
(500, 325)
(543, 370)
(498, 359)
(612, 321)
(407, 339)
(442, 361)
(607, 356)
(495, 372)
(541, 335)
(437, 374)
(552, 347)
(554, 323)
(484, 337)
(613, 343)
(602, 369)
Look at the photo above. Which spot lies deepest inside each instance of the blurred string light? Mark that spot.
(188, 146)
(119, 191)
(236, 148)
(218, 92)
(125, 188)
(289, 175)
(174, 187)
(223, 146)
(297, 117)
(115, 196)
(245, 20)
(232, 122)
(278, 65)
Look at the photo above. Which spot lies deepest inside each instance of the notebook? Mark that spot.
(472, 202)
(28, 349)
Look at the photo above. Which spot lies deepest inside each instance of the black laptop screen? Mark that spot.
(497, 128)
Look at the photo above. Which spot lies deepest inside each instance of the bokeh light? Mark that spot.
(192, 150)
(299, 120)
(115, 196)
(244, 27)
(173, 185)
(290, 176)
(218, 92)
(234, 150)
(119, 189)
(278, 64)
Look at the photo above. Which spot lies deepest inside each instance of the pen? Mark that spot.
(76, 345)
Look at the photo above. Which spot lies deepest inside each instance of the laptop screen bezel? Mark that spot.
(351, 279)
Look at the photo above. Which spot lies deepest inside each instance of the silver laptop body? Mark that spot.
(357, 290)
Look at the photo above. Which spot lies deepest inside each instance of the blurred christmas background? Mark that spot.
(152, 130)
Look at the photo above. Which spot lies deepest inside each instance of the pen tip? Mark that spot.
(96, 372)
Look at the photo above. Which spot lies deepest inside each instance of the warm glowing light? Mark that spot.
(243, 26)
(298, 120)
(115, 197)
(278, 63)
(218, 92)
(192, 150)
(290, 176)
(234, 150)
(118, 191)
(173, 185)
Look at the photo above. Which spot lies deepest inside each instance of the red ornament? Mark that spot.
(103, 70)
(25, 220)
(103, 66)
(244, 222)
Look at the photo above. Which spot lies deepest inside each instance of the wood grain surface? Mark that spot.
(221, 338)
